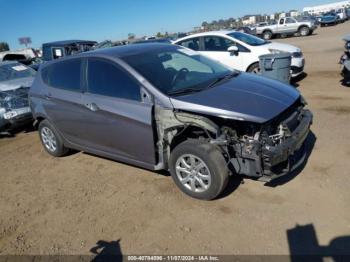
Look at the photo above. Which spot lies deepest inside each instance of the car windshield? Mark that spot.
(248, 39)
(14, 71)
(177, 71)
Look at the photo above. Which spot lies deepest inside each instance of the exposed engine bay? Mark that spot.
(263, 151)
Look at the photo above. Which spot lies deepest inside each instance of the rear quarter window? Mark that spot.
(63, 75)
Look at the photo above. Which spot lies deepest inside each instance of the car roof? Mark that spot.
(219, 32)
(127, 50)
(69, 42)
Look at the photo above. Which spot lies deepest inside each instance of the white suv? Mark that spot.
(239, 50)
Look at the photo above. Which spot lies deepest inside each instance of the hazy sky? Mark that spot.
(53, 20)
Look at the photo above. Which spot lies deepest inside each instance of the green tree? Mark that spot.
(4, 47)
(159, 35)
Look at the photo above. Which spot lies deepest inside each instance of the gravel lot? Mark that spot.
(68, 205)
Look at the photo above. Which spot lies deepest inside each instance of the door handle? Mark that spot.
(92, 106)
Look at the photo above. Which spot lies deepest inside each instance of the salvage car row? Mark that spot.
(234, 49)
(166, 107)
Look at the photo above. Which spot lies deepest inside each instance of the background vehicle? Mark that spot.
(345, 62)
(106, 44)
(247, 30)
(311, 18)
(240, 51)
(286, 26)
(27, 56)
(327, 20)
(60, 49)
(342, 14)
(15, 80)
(155, 40)
(166, 107)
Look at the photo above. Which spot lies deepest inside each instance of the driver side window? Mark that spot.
(282, 21)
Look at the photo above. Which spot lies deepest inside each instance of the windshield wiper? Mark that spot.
(193, 90)
(185, 91)
(221, 78)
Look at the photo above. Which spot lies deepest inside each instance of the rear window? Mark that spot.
(63, 75)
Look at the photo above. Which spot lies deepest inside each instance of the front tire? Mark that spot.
(51, 140)
(199, 169)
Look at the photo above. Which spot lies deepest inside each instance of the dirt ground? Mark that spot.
(68, 205)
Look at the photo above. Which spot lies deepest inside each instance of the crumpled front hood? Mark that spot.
(246, 97)
(16, 83)
(283, 47)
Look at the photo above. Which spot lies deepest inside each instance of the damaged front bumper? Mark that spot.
(15, 118)
(266, 162)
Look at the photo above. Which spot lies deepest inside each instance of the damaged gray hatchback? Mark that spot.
(165, 107)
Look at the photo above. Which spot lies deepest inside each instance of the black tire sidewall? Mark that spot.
(214, 160)
(252, 67)
(267, 33)
(302, 28)
(60, 149)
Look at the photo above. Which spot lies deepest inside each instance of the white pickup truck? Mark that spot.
(286, 26)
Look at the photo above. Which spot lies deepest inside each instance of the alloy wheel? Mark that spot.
(193, 173)
(49, 139)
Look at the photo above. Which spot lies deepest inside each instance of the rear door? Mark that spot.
(116, 120)
(63, 97)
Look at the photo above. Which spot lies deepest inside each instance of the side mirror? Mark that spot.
(233, 49)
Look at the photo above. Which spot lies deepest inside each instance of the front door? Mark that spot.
(216, 47)
(116, 120)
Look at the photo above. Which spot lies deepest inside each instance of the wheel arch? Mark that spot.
(267, 30)
(37, 119)
(251, 65)
(303, 25)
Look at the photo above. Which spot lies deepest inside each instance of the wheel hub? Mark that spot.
(193, 173)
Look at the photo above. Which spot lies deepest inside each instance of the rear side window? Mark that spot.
(107, 79)
(192, 43)
(63, 75)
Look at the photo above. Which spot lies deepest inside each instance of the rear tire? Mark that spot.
(254, 68)
(199, 169)
(304, 31)
(51, 139)
(267, 35)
